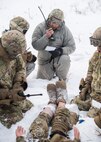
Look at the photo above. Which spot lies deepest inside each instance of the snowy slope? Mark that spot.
(82, 18)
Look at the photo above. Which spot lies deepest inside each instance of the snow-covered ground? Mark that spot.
(82, 18)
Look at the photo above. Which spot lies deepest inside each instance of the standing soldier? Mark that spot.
(53, 33)
(21, 25)
(91, 86)
(12, 78)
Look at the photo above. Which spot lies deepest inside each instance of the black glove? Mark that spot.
(24, 85)
(57, 52)
(34, 58)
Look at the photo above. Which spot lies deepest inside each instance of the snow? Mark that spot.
(82, 18)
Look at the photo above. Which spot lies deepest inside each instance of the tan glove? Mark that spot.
(29, 56)
(24, 56)
(81, 84)
(14, 95)
(85, 89)
(97, 119)
(85, 92)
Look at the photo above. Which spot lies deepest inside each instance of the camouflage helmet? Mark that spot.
(97, 33)
(20, 24)
(95, 39)
(14, 43)
(56, 13)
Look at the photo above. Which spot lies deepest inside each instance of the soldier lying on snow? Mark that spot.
(90, 88)
(55, 114)
(12, 78)
(21, 25)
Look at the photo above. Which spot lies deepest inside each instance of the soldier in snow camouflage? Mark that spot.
(12, 78)
(53, 33)
(91, 86)
(55, 114)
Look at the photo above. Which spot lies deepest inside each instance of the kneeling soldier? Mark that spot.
(12, 78)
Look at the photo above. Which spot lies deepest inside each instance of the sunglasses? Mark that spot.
(95, 42)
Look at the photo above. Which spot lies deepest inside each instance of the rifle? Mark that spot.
(52, 38)
(8, 101)
(28, 95)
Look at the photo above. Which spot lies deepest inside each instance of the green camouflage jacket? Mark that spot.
(21, 139)
(11, 71)
(94, 73)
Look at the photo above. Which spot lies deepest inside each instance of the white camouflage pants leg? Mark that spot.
(45, 71)
(62, 66)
